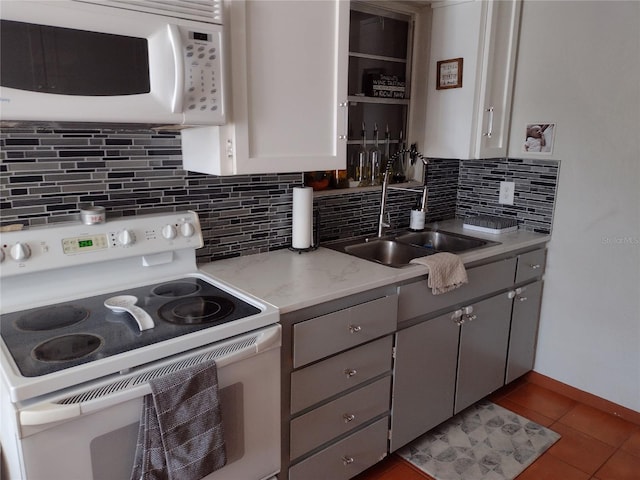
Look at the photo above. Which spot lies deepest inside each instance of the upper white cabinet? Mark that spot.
(472, 121)
(288, 76)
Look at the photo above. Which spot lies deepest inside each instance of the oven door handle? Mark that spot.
(48, 413)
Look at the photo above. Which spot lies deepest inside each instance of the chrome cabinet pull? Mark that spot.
(350, 372)
(465, 314)
(490, 132)
(347, 460)
(534, 266)
(457, 318)
(345, 105)
(516, 294)
(348, 417)
(354, 328)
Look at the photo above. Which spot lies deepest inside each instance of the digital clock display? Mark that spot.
(84, 244)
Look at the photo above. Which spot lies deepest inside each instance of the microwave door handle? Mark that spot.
(178, 63)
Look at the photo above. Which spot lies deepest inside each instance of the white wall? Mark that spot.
(579, 66)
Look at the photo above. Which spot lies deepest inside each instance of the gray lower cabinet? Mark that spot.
(416, 300)
(367, 374)
(424, 378)
(484, 340)
(444, 362)
(524, 330)
(346, 458)
(447, 363)
(340, 416)
(339, 373)
(337, 370)
(530, 265)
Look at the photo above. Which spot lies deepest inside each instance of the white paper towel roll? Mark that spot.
(302, 225)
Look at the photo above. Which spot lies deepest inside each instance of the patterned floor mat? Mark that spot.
(483, 442)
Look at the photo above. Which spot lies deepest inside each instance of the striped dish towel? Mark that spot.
(181, 435)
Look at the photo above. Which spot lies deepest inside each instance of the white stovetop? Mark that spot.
(292, 281)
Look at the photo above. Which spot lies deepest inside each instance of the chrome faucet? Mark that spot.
(382, 224)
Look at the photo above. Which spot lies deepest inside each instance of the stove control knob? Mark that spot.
(20, 251)
(169, 232)
(126, 238)
(187, 229)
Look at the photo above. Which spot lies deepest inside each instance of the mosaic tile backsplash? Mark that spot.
(535, 190)
(47, 172)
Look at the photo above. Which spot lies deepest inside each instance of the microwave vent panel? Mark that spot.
(208, 11)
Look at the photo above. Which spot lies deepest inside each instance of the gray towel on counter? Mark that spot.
(181, 435)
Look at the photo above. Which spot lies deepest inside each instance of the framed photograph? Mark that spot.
(449, 74)
(538, 138)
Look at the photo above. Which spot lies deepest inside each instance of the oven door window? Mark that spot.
(112, 453)
(66, 61)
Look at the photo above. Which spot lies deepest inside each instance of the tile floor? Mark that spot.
(594, 446)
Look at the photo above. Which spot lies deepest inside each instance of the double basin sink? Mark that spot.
(398, 250)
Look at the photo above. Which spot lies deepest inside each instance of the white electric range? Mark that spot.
(91, 313)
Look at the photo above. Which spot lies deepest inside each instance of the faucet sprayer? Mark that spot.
(385, 186)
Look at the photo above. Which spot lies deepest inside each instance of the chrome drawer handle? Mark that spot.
(347, 460)
(535, 266)
(350, 372)
(354, 328)
(522, 299)
(348, 417)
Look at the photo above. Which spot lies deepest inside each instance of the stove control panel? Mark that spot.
(70, 244)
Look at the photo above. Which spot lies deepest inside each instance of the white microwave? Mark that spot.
(116, 61)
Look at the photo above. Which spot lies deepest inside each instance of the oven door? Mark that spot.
(100, 443)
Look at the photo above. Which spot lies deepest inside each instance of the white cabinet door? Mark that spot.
(289, 62)
(472, 121)
(498, 64)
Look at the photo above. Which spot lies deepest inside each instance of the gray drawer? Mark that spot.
(346, 458)
(415, 299)
(531, 265)
(323, 336)
(339, 416)
(339, 373)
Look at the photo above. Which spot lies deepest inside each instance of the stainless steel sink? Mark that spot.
(398, 251)
(386, 251)
(443, 241)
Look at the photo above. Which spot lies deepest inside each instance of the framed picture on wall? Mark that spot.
(449, 74)
(539, 138)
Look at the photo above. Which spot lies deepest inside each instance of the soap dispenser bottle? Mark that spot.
(418, 213)
(416, 223)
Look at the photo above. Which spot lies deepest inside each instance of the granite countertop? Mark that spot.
(292, 281)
